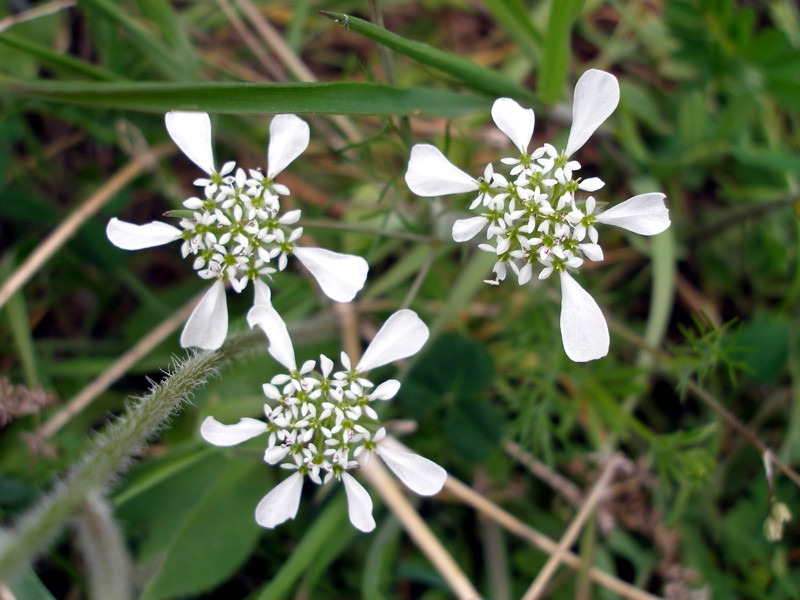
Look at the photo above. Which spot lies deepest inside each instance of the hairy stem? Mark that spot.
(111, 452)
(108, 566)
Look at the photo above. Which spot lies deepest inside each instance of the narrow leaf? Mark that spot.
(255, 98)
(556, 53)
(56, 59)
(478, 78)
(160, 55)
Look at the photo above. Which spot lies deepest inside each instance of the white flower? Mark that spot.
(320, 422)
(235, 231)
(541, 218)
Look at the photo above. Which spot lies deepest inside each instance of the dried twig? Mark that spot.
(121, 366)
(83, 213)
(35, 13)
(292, 62)
(419, 531)
(513, 525)
(557, 556)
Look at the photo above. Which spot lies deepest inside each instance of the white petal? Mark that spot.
(466, 229)
(281, 503)
(208, 324)
(340, 276)
(261, 293)
(525, 274)
(584, 332)
(191, 131)
(359, 504)
(645, 214)
(596, 97)
(402, 335)
(274, 455)
(592, 184)
(431, 174)
(513, 120)
(386, 391)
(291, 217)
(280, 344)
(288, 138)
(129, 236)
(592, 251)
(420, 475)
(219, 434)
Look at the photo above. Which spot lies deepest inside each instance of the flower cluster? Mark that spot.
(321, 422)
(235, 231)
(541, 214)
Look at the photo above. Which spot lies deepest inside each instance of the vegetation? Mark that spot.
(665, 468)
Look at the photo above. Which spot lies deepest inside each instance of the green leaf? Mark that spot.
(27, 586)
(553, 72)
(478, 78)
(454, 369)
(196, 526)
(473, 429)
(256, 98)
(763, 346)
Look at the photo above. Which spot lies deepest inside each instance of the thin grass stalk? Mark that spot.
(83, 213)
(600, 488)
(121, 366)
(387, 488)
(251, 41)
(35, 13)
(418, 531)
(291, 61)
(706, 397)
(465, 494)
(513, 525)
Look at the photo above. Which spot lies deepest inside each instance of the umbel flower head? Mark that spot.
(542, 214)
(235, 230)
(320, 422)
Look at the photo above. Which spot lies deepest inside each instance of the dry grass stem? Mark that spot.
(387, 488)
(513, 525)
(35, 13)
(295, 66)
(83, 213)
(568, 490)
(121, 366)
(251, 41)
(538, 586)
(418, 531)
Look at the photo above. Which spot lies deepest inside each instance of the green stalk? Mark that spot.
(111, 452)
(109, 568)
(479, 78)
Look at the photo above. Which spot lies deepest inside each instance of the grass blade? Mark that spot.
(326, 528)
(160, 55)
(513, 17)
(553, 73)
(478, 78)
(255, 98)
(55, 59)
